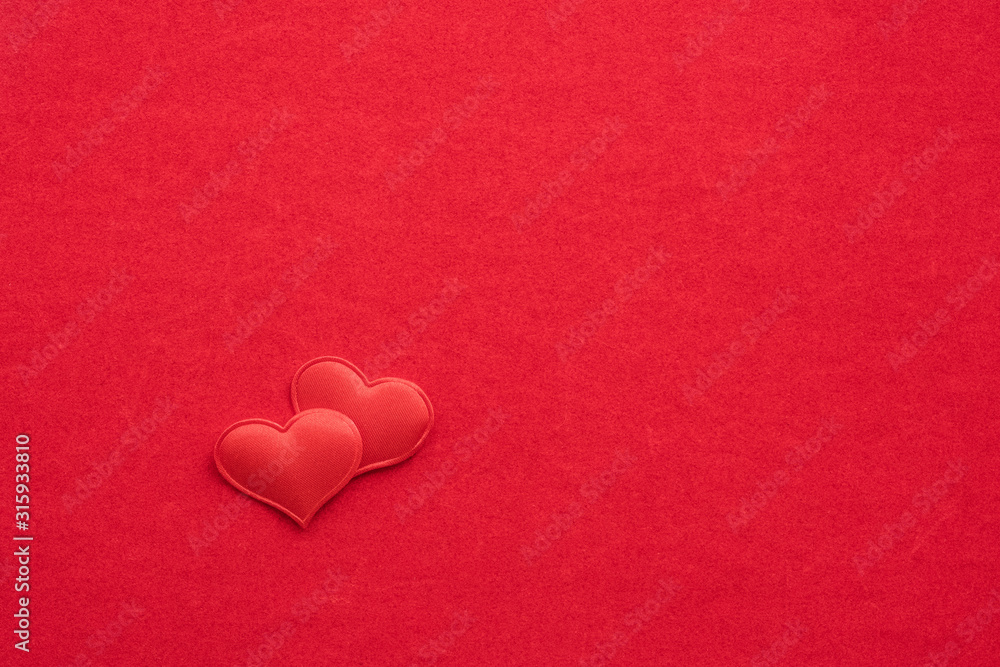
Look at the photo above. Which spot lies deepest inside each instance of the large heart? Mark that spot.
(394, 416)
(295, 468)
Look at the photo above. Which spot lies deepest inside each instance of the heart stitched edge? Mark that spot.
(372, 383)
(303, 522)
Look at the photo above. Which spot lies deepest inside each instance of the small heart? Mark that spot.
(295, 468)
(394, 416)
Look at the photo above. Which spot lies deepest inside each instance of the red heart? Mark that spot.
(295, 469)
(394, 416)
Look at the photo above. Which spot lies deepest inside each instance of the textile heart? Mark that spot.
(295, 468)
(394, 416)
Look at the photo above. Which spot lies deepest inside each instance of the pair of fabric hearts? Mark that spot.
(344, 426)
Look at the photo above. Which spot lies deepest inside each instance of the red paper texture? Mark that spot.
(704, 295)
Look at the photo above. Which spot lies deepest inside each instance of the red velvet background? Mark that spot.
(195, 202)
